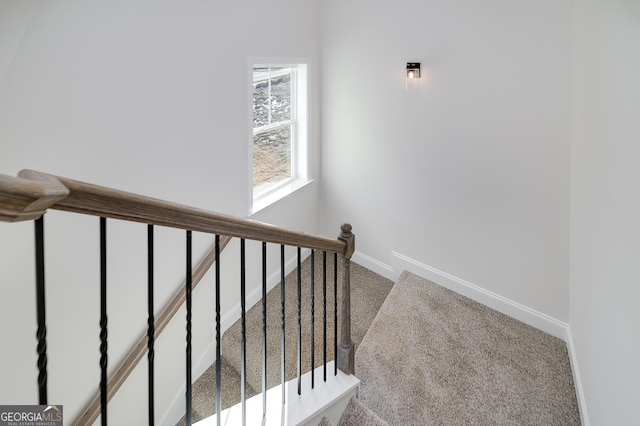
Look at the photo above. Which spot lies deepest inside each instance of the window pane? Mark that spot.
(260, 102)
(277, 97)
(280, 94)
(272, 156)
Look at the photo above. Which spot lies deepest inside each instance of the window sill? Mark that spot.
(265, 200)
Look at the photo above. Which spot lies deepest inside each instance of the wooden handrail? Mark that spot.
(125, 368)
(100, 201)
(27, 199)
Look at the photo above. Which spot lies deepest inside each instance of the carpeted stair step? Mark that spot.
(356, 414)
(203, 391)
(325, 422)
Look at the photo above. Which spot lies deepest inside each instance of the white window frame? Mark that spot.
(299, 133)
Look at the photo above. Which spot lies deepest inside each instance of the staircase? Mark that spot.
(365, 303)
(426, 355)
(432, 356)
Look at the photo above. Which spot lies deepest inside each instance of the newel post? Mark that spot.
(346, 350)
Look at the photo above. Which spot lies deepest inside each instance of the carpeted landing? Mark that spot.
(434, 357)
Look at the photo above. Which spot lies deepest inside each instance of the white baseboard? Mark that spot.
(374, 265)
(495, 301)
(577, 381)
(488, 298)
(177, 407)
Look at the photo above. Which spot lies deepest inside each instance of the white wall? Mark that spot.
(605, 207)
(149, 97)
(468, 172)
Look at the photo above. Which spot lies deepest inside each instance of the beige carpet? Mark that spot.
(433, 357)
(356, 414)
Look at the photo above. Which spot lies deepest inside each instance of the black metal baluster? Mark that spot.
(335, 314)
(151, 324)
(218, 341)
(299, 350)
(313, 313)
(324, 312)
(41, 332)
(243, 341)
(264, 330)
(282, 318)
(188, 289)
(103, 320)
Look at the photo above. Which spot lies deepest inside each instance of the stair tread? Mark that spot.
(203, 391)
(357, 414)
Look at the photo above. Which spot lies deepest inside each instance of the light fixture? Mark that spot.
(413, 69)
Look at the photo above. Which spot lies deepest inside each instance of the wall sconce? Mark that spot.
(413, 69)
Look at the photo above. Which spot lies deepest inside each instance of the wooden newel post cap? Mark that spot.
(347, 236)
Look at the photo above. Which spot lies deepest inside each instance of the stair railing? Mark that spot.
(28, 196)
(145, 343)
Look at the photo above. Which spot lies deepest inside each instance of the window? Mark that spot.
(279, 137)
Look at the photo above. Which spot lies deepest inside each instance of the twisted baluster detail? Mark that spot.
(41, 331)
(313, 317)
(324, 313)
(103, 368)
(41, 334)
(150, 324)
(243, 328)
(282, 331)
(299, 333)
(103, 320)
(264, 330)
(218, 334)
(335, 314)
(103, 343)
(189, 277)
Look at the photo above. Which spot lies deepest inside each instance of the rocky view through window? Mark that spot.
(272, 123)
